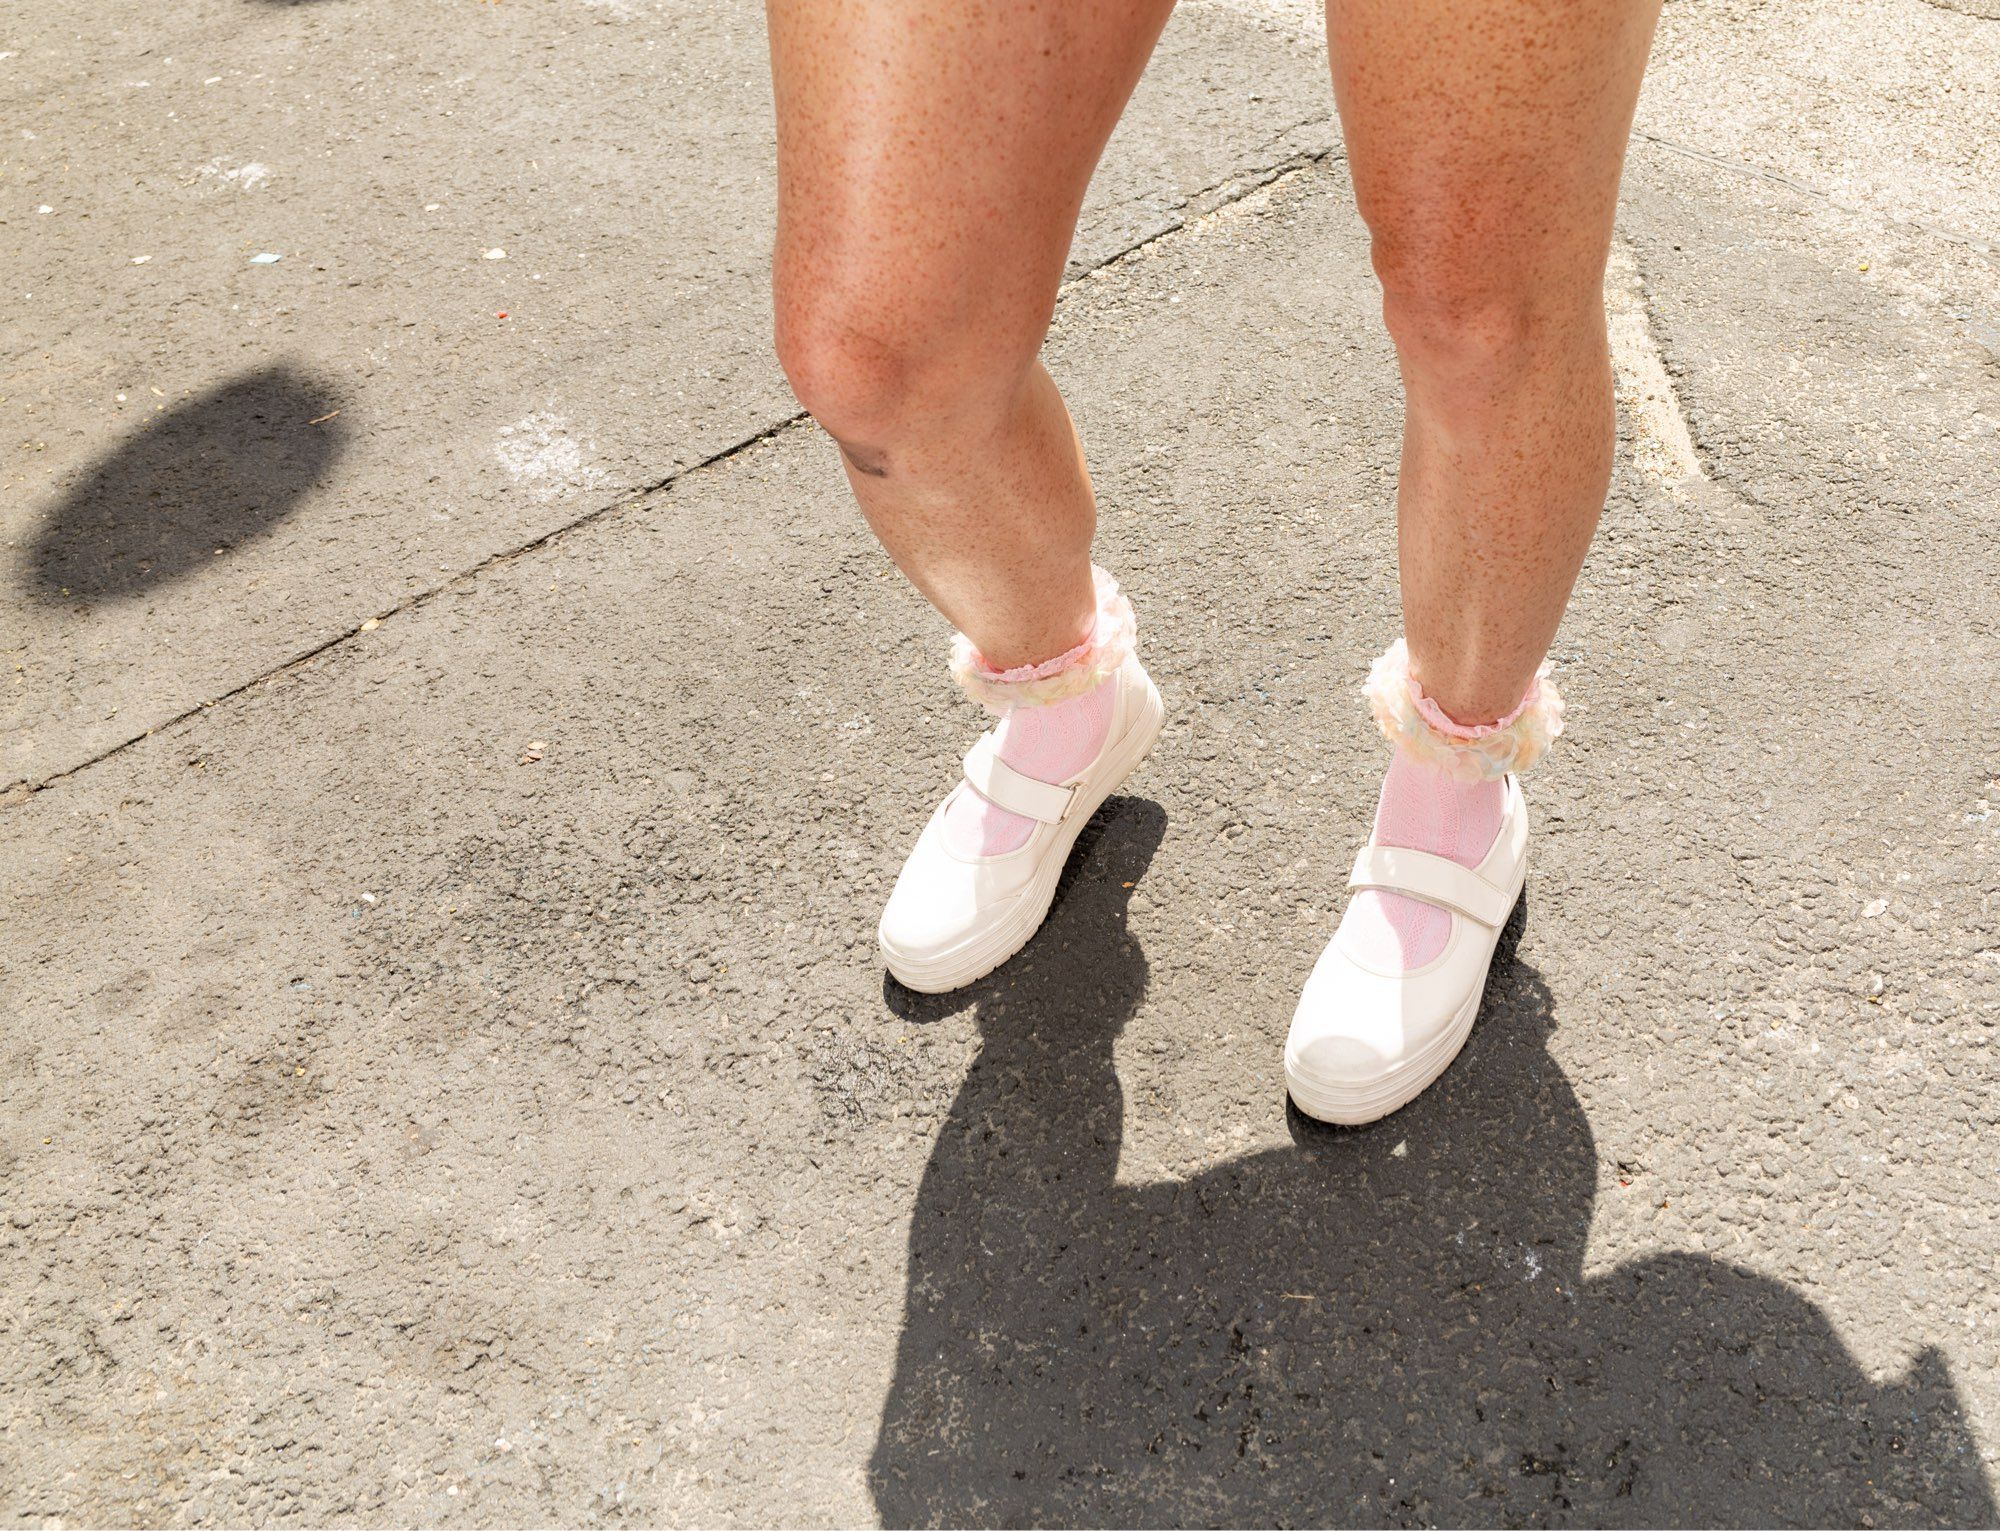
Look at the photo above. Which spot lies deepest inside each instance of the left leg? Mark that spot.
(1486, 138)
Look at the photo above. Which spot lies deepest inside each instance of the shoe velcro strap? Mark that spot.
(1005, 787)
(1434, 879)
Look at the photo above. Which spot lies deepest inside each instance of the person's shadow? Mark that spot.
(1384, 1325)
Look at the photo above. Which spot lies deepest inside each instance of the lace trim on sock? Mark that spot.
(1114, 630)
(1414, 722)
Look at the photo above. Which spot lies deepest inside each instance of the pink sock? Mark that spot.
(1420, 809)
(1049, 743)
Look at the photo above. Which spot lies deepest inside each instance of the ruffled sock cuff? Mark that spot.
(1113, 633)
(1485, 752)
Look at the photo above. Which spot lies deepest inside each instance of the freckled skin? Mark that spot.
(932, 159)
(933, 156)
(1486, 138)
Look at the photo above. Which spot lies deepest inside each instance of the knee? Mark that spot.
(878, 372)
(1473, 311)
(847, 367)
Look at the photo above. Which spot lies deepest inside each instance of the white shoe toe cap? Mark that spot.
(1362, 1043)
(1335, 1059)
(942, 904)
(923, 924)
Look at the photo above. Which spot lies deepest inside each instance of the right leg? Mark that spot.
(932, 159)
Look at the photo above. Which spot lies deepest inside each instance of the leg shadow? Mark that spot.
(1387, 1325)
(200, 478)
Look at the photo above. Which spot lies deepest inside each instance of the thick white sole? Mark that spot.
(1357, 1105)
(1007, 935)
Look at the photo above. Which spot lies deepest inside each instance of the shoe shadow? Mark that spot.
(193, 481)
(1385, 1324)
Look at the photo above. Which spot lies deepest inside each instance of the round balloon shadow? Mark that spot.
(199, 479)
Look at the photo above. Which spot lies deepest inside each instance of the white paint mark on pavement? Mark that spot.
(543, 457)
(245, 177)
(1662, 449)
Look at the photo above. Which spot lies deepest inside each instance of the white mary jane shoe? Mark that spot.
(952, 919)
(1365, 1043)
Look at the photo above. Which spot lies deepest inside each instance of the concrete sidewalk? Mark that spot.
(446, 1073)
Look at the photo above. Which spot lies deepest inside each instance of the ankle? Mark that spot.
(1416, 724)
(1424, 808)
(1055, 717)
(1076, 670)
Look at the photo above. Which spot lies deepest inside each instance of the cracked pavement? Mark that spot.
(457, 760)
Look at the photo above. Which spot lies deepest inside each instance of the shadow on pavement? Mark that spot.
(1383, 1325)
(193, 481)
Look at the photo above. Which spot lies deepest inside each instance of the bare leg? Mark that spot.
(933, 156)
(1486, 139)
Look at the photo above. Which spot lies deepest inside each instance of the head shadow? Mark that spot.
(190, 482)
(1388, 1324)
